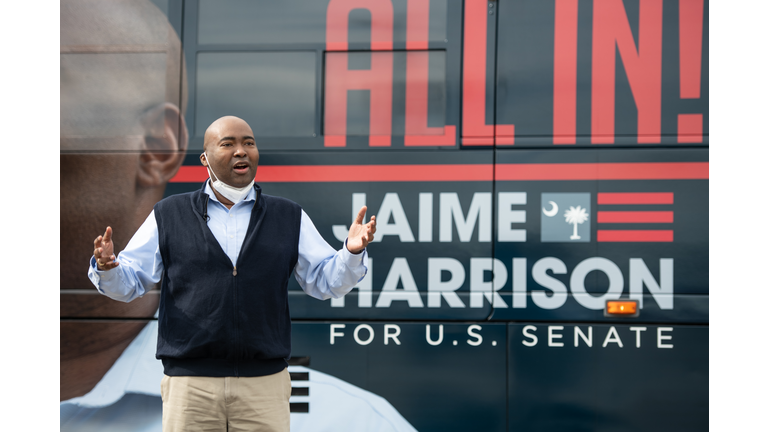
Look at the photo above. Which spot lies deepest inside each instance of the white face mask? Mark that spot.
(229, 192)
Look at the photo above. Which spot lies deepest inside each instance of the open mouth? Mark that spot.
(241, 167)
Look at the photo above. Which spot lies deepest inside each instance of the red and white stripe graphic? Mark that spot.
(607, 217)
(465, 172)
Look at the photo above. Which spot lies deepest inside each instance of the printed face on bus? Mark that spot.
(122, 133)
(122, 138)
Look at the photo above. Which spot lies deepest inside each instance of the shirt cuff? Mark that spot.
(96, 275)
(350, 259)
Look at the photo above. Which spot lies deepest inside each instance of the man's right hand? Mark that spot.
(104, 251)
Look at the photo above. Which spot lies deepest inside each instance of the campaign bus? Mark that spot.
(539, 173)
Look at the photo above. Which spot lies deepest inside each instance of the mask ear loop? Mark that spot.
(210, 168)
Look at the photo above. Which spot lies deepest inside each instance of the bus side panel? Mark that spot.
(437, 375)
(580, 73)
(601, 225)
(427, 219)
(599, 377)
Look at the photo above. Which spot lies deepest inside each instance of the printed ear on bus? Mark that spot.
(165, 138)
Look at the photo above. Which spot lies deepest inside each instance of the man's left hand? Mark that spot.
(360, 235)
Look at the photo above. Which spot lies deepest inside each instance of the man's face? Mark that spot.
(231, 151)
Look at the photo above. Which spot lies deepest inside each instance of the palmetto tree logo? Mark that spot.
(575, 216)
(555, 228)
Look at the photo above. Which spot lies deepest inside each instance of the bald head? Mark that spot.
(218, 129)
(118, 59)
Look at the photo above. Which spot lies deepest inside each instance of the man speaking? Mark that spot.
(224, 255)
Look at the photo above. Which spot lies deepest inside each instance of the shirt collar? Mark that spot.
(136, 371)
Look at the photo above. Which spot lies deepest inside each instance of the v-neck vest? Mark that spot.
(216, 319)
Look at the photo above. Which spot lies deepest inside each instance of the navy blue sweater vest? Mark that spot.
(219, 320)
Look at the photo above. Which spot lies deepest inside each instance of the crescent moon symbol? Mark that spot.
(550, 213)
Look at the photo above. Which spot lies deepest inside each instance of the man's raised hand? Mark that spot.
(104, 251)
(360, 235)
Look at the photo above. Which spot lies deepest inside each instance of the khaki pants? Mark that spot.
(226, 404)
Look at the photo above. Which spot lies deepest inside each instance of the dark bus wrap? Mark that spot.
(527, 161)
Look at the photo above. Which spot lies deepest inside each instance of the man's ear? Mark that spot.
(165, 145)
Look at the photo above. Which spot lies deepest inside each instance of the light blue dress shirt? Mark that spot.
(322, 272)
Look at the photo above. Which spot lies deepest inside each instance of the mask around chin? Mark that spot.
(231, 193)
